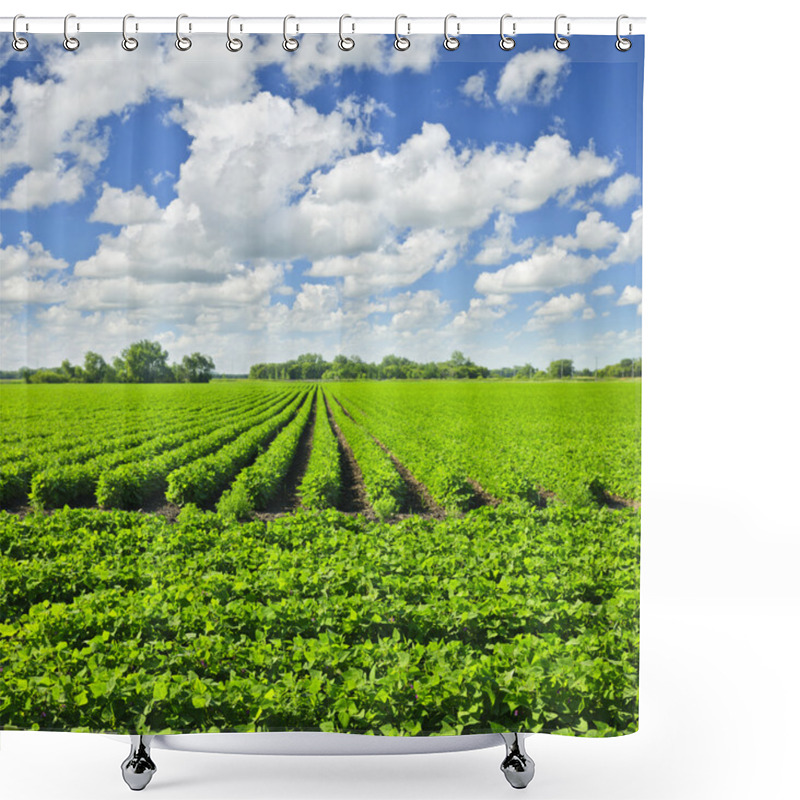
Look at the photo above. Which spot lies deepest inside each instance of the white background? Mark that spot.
(720, 603)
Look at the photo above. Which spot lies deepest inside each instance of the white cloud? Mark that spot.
(631, 296)
(418, 311)
(474, 88)
(591, 233)
(392, 265)
(588, 313)
(118, 207)
(482, 312)
(603, 291)
(499, 247)
(619, 191)
(54, 183)
(320, 57)
(549, 268)
(533, 76)
(558, 309)
(47, 128)
(629, 248)
(28, 258)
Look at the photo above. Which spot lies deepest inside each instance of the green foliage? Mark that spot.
(257, 485)
(499, 620)
(201, 481)
(321, 483)
(385, 488)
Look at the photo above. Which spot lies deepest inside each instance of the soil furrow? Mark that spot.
(353, 496)
(289, 498)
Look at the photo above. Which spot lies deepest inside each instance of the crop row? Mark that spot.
(257, 485)
(385, 489)
(76, 484)
(130, 485)
(526, 441)
(321, 484)
(80, 466)
(202, 481)
(494, 621)
(82, 433)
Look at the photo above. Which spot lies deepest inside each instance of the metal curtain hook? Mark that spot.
(18, 43)
(183, 43)
(623, 44)
(560, 43)
(289, 44)
(450, 42)
(70, 42)
(401, 42)
(128, 42)
(506, 42)
(345, 42)
(234, 45)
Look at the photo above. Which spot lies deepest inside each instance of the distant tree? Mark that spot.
(145, 362)
(196, 368)
(562, 368)
(94, 367)
(458, 359)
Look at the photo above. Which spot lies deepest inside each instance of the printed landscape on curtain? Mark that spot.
(321, 380)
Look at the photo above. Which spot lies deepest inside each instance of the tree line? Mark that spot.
(140, 362)
(312, 366)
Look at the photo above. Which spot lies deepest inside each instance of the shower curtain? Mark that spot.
(321, 380)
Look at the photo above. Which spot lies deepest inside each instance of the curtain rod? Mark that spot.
(300, 24)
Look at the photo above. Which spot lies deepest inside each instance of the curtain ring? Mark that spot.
(345, 42)
(234, 45)
(560, 43)
(183, 43)
(18, 43)
(450, 42)
(70, 42)
(289, 44)
(506, 42)
(401, 42)
(128, 42)
(623, 44)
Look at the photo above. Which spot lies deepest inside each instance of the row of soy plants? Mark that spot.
(579, 442)
(507, 619)
(148, 432)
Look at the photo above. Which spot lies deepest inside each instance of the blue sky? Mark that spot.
(257, 205)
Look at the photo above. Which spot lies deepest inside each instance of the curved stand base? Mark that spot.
(517, 766)
(138, 768)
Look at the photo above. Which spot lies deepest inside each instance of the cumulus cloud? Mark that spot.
(631, 296)
(629, 248)
(474, 88)
(418, 311)
(501, 246)
(319, 57)
(549, 268)
(118, 207)
(591, 233)
(533, 76)
(619, 191)
(603, 291)
(28, 258)
(558, 309)
(482, 312)
(61, 142)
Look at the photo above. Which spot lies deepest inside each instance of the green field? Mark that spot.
(388, 557)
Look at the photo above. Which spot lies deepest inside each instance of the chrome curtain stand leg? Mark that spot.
(517, 766)
(138, 768)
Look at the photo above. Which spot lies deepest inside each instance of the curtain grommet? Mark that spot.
(289, 44)
(451, 42)
(561, 43)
